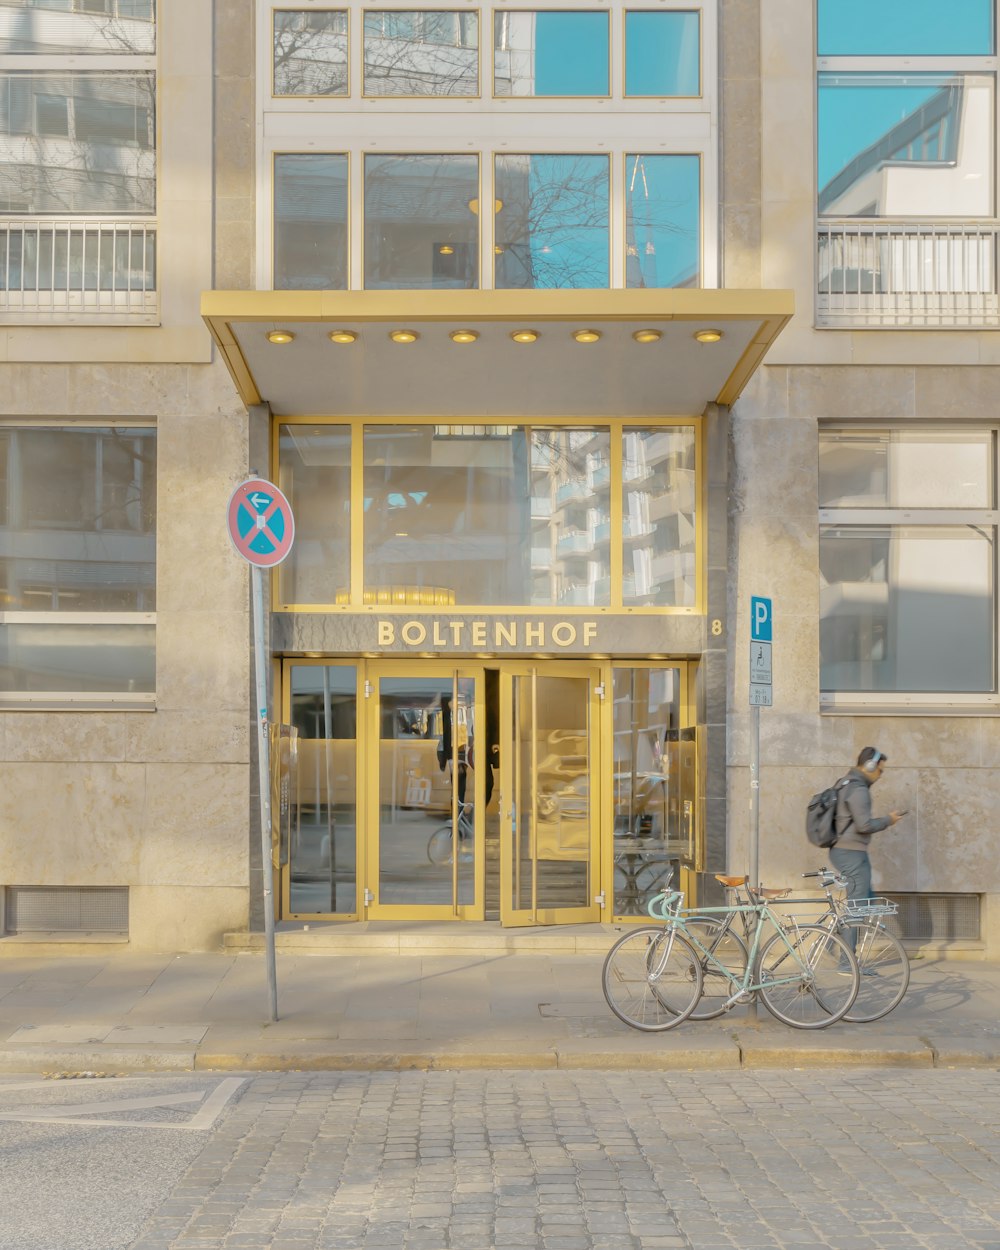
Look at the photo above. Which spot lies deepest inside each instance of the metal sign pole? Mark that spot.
(264, 776)
(753, 861)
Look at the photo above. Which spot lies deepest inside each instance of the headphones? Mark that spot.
(870, 765)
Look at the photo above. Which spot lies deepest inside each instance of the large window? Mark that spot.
(77, 563)
(77, 156)
(906, 152)
(421, 222)
(310, 222)
(552, 221)
(551, 54)
(310, 52)
(908, 529)
(414, 52)
(505, 516)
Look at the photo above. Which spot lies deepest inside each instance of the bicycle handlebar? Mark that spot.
(828, 877)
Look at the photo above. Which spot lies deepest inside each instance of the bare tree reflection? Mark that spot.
(552, 221)
(310, 52)
(421, 53)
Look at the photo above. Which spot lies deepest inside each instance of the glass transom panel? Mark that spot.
(905, 28)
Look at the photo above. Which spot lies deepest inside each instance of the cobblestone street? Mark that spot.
(852, 1160)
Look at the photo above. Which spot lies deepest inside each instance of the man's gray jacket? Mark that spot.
(855, 823)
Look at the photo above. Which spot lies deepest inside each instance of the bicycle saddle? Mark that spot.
(732, 882)
(762, 893)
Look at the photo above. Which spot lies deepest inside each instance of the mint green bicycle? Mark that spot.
(653, 977)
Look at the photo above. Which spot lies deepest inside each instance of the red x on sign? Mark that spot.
(261, 525)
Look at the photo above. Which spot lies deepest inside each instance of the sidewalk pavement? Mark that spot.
(460, 1010)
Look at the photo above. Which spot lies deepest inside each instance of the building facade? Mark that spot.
(565, 331)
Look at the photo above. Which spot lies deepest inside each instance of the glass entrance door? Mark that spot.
(549, 801)
(425, 795)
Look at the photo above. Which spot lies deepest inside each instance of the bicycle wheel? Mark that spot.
(885, 972)
(808, 977)
(726, 947)
(652, 979)
(439, 845)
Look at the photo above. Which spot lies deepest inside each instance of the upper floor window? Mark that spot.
(905, 28)
(310, 52)
(662, 53)
(77, 27)
(77, 144)
(906, 137)
(77, 564)
(431, 52)
(551, 53)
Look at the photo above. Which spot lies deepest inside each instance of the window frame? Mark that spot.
(617, 426)
(56, 617)
(878, 702)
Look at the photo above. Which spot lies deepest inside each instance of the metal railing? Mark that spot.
(907, 274)
(71, 270)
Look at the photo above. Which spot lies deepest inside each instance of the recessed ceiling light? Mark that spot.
(280, 336)
(525, 336)
(586, 336)
(708, 336)
(342, 336)
(404, 336)
(464, 336)
(648, 336)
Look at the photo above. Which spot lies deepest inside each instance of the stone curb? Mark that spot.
(730, 1058)
(99, 1059)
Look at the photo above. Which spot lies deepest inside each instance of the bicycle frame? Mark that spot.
(666, 907)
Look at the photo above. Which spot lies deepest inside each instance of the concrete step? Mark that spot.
(428, 938)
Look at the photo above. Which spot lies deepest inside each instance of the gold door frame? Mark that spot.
(693, 795)
(511, 916)
(602, 848)
(371, 715)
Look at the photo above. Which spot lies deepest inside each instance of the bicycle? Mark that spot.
(653, 977)
(440, 845)
(882, 959)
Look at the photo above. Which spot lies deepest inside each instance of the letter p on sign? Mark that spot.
(760, 619)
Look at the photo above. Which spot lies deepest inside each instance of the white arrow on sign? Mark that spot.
(259, 501)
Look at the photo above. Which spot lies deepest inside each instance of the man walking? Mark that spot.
(855, 824)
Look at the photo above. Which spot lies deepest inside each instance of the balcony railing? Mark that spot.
(907, 274)
(73, 271)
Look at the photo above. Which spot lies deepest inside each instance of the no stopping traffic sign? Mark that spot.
(260, 522)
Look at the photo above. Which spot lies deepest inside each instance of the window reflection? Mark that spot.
(662, 54)
(85, 143)
(659, 567)
(77, 658)
(421, 52)
(79, 530)
(74, 27)
(310, 52)
(315, 476)
(552, 221)
(906, 469)
(322, 849)
(662, 221)
(506, 517)
(310, 222)
(905, 28)
(653, 771)
(421, 222)
(905, 144)
(550, 54)
(889, 594)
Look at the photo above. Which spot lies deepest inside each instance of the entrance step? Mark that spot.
(383, 937)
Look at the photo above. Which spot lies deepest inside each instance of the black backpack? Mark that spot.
(821, 823)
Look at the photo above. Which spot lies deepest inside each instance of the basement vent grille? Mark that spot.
(66, 909)
(936, 917)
